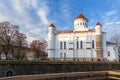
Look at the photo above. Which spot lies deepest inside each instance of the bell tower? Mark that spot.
(51, 41)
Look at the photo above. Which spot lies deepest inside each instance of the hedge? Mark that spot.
(51, 62)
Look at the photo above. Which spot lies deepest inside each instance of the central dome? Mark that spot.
(80, 23)
(81, 16)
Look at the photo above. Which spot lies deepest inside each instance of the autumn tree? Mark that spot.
(38, 47)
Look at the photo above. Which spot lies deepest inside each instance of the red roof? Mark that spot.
(51, 25)
(81, 17)
(98, 24)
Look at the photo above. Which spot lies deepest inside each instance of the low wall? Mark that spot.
(13, 68)
(92, 75)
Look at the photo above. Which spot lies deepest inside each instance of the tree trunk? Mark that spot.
(6, 56)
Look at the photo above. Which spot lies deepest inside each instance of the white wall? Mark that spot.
(104, 44)
(112, 51)
(71, 38)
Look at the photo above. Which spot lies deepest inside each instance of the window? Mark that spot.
(61, 45)
(109, 53)
(64, 45)
(83, 23)
(64, 55)
(77, 45)
(80, 23)
(81, 45)
(93, 44)
(60, 55)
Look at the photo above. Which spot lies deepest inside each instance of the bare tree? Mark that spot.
(44, 48)
(12, 42)
(116, 39)
(20, 46)
(38, 47)
(7, 32)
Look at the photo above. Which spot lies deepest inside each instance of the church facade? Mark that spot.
(81, 43)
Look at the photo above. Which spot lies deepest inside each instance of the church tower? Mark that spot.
(80, 23)
(51, 41)
(99, 49)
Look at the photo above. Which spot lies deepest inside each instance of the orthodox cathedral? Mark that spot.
(81, 43)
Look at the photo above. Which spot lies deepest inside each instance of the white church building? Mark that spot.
(81, 43)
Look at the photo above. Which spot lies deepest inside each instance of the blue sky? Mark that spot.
(34, 16)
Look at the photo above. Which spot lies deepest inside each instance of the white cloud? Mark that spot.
(30, 15)
(112, 12)
(42, 13)
(111, 23)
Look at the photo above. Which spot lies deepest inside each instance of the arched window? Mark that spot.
(92, 43)
(80, 23)
(60, 55)
(109, 53)
(83, 23)
(81, 45)
(60, 44)
(64, 55)
(64, 45)
(77, 45)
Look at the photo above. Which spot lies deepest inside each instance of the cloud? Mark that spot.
(30, 15)
(112, 12)
(42, 13)
(111, 23)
